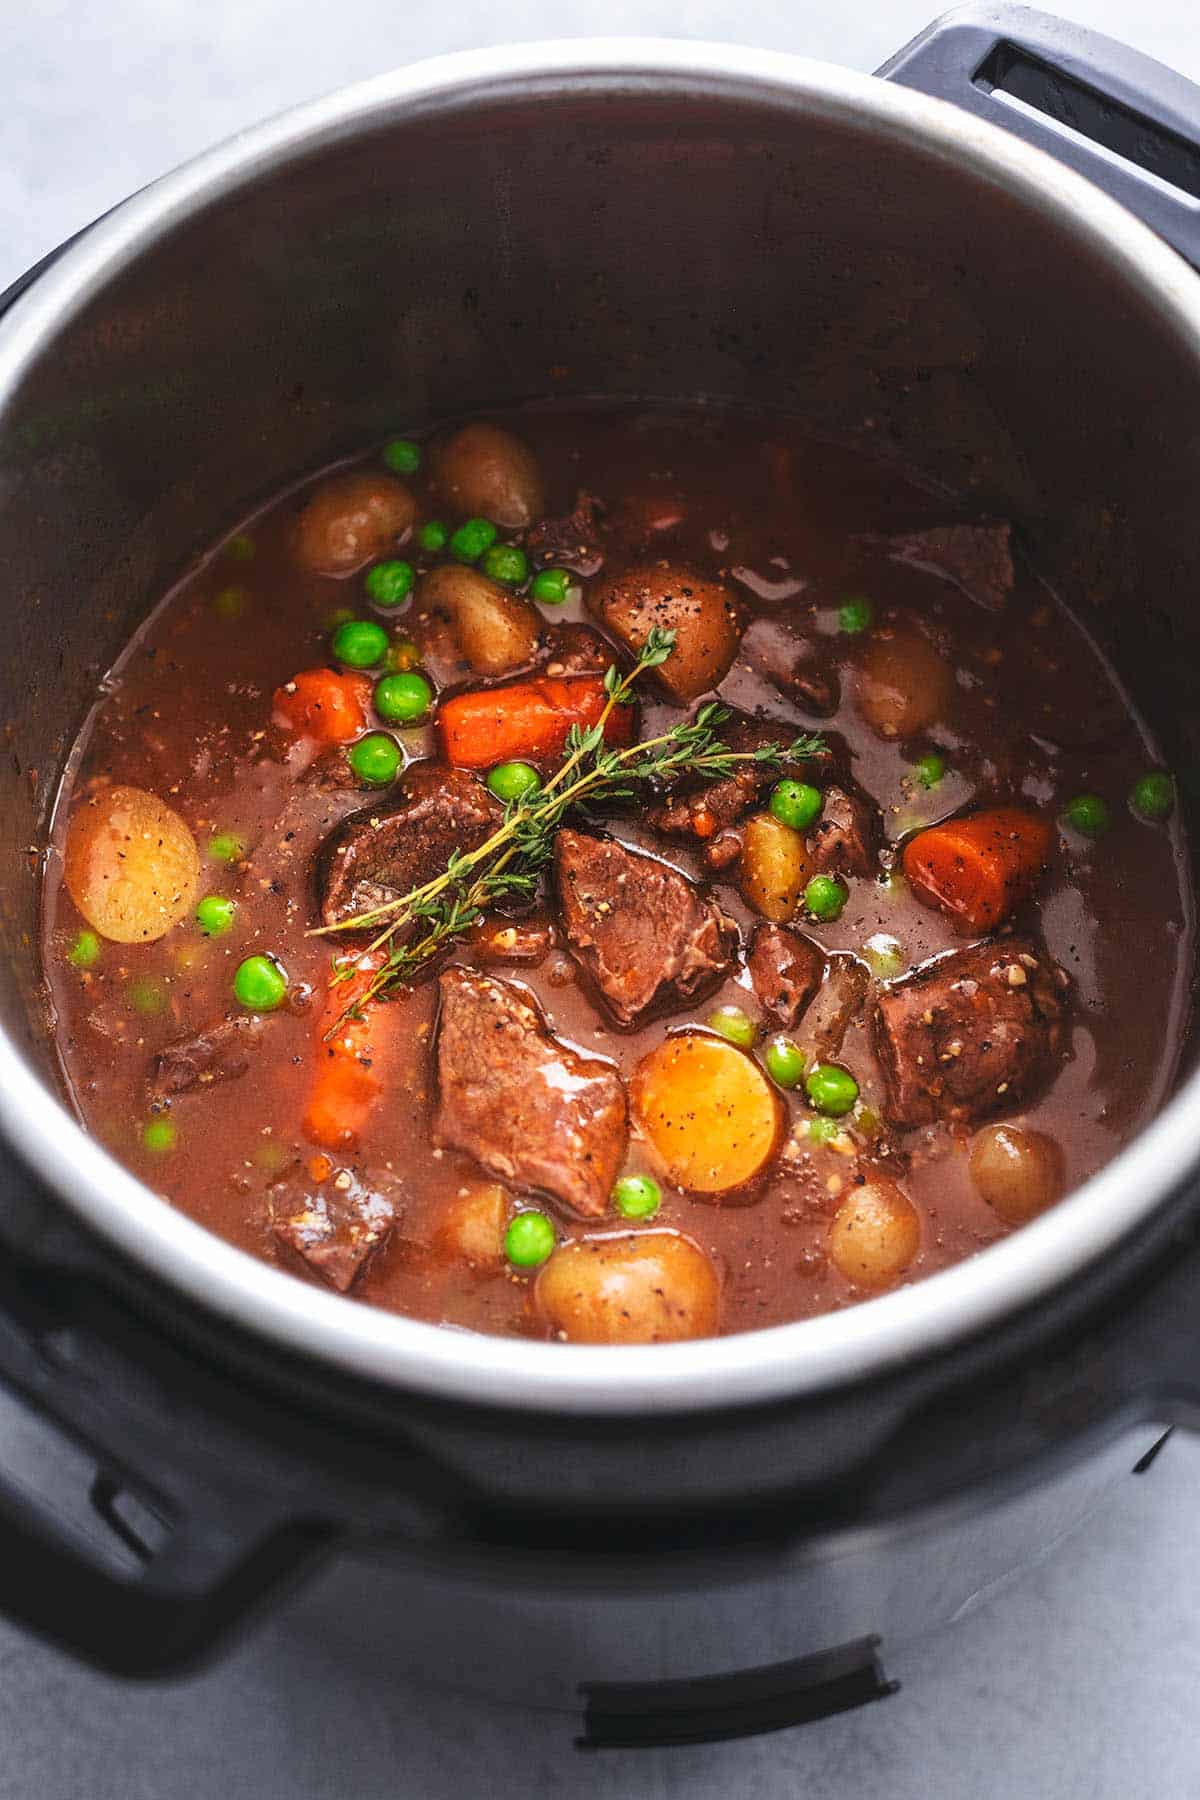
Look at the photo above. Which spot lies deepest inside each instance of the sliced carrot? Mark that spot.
(351, 1067)
(980, 867)
(323, 705)
(527, 718)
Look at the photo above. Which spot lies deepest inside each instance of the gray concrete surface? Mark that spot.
(1080, 1680)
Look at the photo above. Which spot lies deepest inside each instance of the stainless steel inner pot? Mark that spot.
(614, 218)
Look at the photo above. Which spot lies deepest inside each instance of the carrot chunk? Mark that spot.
(526, 719)
(323, 705)
(351, 1067)
(980, 867)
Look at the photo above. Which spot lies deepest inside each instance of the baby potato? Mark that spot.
(645, 1287)
(1018, 1172)
(496, 630)
(708, 1111)
(471, 1226)
(131, 865)
(485, 472)
(903, 684)
(705, 616)
(351, 519)
(875, 1234)
(776, 867)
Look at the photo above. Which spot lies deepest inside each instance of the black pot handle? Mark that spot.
(1128, 123)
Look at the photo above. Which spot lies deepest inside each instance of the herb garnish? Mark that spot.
(510, 861)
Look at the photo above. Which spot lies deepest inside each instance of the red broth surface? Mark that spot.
(1029, 715)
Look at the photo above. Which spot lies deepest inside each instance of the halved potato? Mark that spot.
(471, 1226)
(707, 1110)
(705, 616)
(483, 471)
(131, 865)
(776, 867)
(642, 1287)
(496, 631)
(351, 519)
(904, 684)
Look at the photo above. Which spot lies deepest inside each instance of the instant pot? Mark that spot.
(979, 265)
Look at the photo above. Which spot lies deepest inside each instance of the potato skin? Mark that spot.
(875, 1234)
(708, 1111)
(903, 684)
(705, 615)
(485, 472)
(645, 1287)
(349, 520)
(776, 867)
(496, 631)
(131, 865)
(1018, 1172)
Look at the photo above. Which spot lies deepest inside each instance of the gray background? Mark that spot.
(1080, 1680)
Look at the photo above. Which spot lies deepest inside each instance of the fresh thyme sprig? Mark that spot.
(510, 860)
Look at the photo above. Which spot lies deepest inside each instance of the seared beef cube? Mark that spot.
(572, 542)
(575, 649)
(332, 1221)
(794, 664)
(528, 1108)
(640, 929)
(975, 1032)
(845, 839)
(976, 558)
(382, 852)
(786, 968)
(837, 1004)
(219, 1054)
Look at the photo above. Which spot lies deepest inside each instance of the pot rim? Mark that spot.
(785, 1361)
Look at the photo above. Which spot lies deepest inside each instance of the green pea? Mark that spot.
(231, 602)
(825, 896)
(795, 803)
(822, 1131)
(159, 1136)
(529, 1240)
(85, 951)
(376, 758)
(929, 769)
(831, 1090)
(1153, 797)
(359, 643)
(855, 615)
(504, 562)
(147, 997)
(1088, 814)
(404, 698)
(240, 548)
(513, 781)
(637, 1196)
(471, 539)
(433, 536)
(402, 456)
(785, 1062)
(215, 915)
(732, 1023)
(885, 954)
(226, 847)
(390, 583)
(551, 586)
(260, 984)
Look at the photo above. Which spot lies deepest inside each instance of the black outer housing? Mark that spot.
(256, 1466)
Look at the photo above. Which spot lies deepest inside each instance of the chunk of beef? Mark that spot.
(705, 811)
(845, 839)
(976, 558)
(786, 968)
(640, 929)
(836, 1005)
(575, 649)
(221, 1053)
(528, 1108)
(794, 664)
(330, 1219)
(973, 1033)
(570, 542)
(381, 852)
